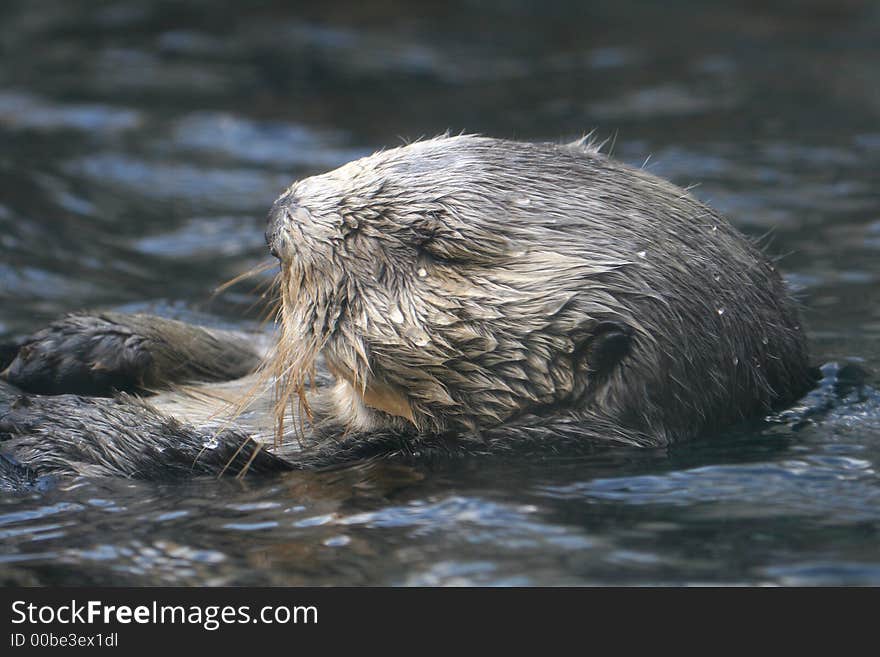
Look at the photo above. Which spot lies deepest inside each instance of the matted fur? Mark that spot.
(470, 294)
(467, 275)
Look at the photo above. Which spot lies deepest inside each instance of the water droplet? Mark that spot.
(717, 277)
(418, 337)
(714, 229)
(735, 360)
(396, 316)
(211, 443)
(765, 340)
(642, 254)
(720, 311)
(523, 200)
(422, 272)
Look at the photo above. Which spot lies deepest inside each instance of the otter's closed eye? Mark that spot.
(439, 251)
(444, 237)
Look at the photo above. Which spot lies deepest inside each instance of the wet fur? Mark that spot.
(456, 295)
(497, 261)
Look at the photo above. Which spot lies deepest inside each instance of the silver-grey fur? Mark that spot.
(470, 275)
(473, 294)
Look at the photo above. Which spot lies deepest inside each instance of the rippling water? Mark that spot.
(142, 142)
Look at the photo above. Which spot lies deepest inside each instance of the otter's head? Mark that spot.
(441, 285)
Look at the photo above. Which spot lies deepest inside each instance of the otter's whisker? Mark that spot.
(257, 269)
(247, 465)
(233, 457)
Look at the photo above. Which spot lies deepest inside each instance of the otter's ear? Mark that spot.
(445, 238)
(609, 345)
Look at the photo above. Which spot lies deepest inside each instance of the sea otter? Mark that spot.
(454, 295)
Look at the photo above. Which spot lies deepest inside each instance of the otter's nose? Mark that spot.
(275, 232)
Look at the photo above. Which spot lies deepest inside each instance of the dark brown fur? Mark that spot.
(466, 295)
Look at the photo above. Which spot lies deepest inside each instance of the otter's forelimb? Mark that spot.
(65, 435)
(104, 353)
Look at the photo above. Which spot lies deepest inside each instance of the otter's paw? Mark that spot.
(98, 355)
(88, 355)
(69, 435)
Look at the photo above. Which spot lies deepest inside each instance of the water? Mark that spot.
(141, 144)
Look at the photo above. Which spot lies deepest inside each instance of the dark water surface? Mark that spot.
(141, 144)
